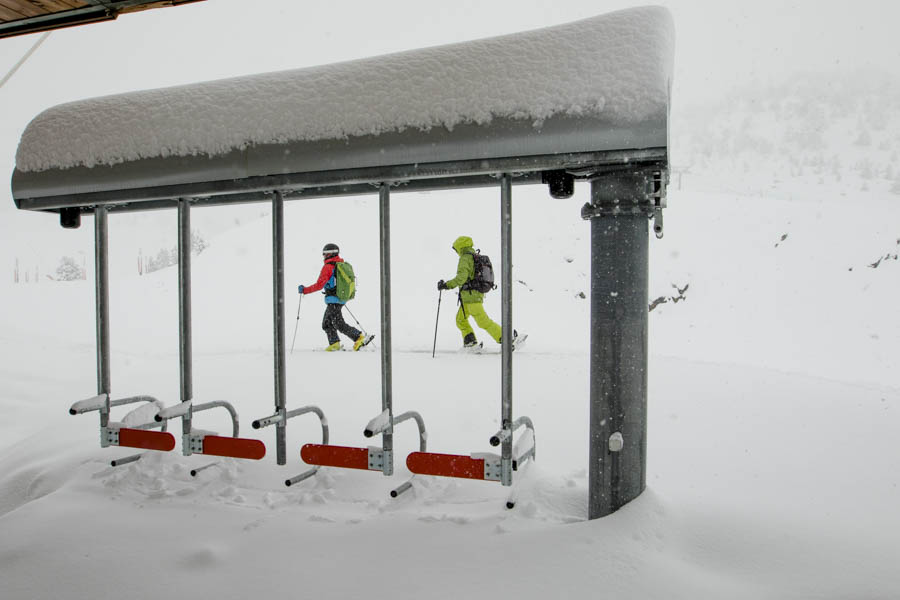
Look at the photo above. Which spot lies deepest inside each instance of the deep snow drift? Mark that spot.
(760, 480)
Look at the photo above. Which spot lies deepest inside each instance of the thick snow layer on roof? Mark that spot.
(616, 67)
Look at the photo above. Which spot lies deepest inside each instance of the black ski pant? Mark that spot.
(333, 321)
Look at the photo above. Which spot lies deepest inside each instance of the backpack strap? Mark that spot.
(467, 284)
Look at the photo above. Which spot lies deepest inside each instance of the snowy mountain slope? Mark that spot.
(748, 495)
(834, 129)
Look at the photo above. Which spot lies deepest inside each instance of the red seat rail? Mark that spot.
(147, 440)
(335, 456)
(446, 465)
(216, 445)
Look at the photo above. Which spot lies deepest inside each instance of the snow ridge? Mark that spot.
(615, 67)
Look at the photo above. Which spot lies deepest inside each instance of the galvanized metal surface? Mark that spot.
(101, 305)
(278, 325)
(336, 166)
(506, 391)
(493, 469)
(185, 352)
(619, 330)
(281, 418)
(420, 423)
(235, 425)
(377, 459)
(384, 221)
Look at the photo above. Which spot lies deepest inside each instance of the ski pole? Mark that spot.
(299, 303)
(434, 347)
(354, 318)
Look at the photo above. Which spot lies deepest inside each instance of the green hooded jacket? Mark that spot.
(465, 270)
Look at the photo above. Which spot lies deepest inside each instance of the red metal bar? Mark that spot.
(335, 456)
(233, 447)
(148, 440)
(445, 465)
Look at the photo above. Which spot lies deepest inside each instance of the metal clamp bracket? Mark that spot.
(377, 458)
(109, 436)
(630, 193)
(194, 443)
(493, 467)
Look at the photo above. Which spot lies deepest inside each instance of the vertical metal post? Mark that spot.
(278, 316)
(101, 292)
(506, 411)
(384, 221)
(619, 210)
(184, 316)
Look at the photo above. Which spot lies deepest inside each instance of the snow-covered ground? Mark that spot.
(774, 401)
(773, 415)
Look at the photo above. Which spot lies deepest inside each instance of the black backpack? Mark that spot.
(483, 279)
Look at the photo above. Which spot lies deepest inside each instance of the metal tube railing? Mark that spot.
(118, 462)
(505, 433)
(99, 402)
(280, 419)
(173, 412)
(380, 424)
(524, 449)
(374, 429)
(221, 404)
(195, 472)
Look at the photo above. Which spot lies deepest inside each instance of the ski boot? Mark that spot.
(470, 344)
(362, 340)
(335, 347)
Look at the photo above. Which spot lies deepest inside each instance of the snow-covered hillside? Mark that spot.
(825, 132)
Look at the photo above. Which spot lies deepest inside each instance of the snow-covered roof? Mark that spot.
(599, 84)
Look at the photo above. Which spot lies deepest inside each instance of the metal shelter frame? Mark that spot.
(626, 189)
(623, 156)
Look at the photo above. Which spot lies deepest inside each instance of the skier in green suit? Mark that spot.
(470, 299)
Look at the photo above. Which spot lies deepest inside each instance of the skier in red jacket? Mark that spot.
(333, 321)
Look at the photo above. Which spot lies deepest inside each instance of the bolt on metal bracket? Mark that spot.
(109, 437)
(376, 459)
(659, 183)
(192, 444)
(616, 442)
(493, 468)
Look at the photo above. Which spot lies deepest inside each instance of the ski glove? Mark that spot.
(441, 285)
(300, 289)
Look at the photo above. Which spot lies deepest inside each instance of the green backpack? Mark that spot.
(345, 286)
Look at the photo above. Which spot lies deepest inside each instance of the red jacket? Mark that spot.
(325, 275)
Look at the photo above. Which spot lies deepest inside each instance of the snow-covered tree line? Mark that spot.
(167, 257)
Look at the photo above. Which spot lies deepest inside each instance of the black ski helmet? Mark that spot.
(329, 249)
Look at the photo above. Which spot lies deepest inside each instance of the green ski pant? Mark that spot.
(476, 309)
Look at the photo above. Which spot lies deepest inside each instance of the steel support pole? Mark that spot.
(101, 291)
(384, 221)
(619, 323)
(506, 410)
(184, 315)
(278, 317)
